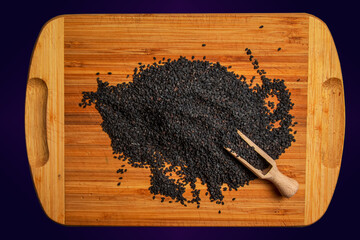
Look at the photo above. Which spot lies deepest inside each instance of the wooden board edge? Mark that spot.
(259, 14)
(47, 69)
(325, 121)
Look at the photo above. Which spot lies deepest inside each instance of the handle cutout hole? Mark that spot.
(333, 122)
(35, 122)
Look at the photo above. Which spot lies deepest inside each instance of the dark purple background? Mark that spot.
(20, 209)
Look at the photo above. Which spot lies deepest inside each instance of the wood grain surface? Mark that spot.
(116, 43)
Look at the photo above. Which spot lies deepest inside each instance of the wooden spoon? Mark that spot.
(286, 186)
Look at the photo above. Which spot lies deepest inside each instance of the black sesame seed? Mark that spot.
(279, 49)
(152, 120)
(203, 45)
(261, 26)
(109, 73)
(97, 73)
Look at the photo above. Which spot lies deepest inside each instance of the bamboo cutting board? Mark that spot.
(71, 158)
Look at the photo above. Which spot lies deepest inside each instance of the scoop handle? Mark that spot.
(286, 186)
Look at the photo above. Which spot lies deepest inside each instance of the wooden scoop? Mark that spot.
(286, 186)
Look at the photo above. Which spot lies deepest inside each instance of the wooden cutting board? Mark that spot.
(70, 156)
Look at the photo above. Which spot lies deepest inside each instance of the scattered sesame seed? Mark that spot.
(155, 127)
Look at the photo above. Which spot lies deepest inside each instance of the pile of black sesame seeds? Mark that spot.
(176, 116)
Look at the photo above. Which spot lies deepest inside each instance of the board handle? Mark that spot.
(287, 186)
(325, 123)
(44, 119)
(35, 122)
